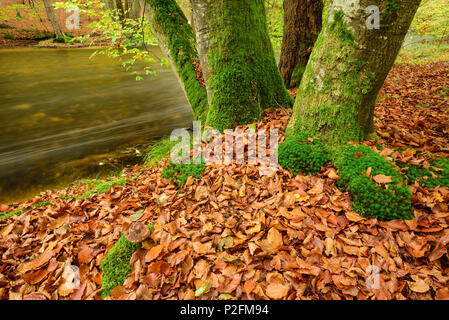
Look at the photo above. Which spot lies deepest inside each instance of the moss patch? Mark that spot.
(436, 175)
(384, 201)
(158, 151)
(179, 173)
(115, 266)
(302, 154)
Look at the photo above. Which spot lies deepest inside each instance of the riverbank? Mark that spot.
(234, 234)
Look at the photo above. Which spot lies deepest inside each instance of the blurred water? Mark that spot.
(60, 110)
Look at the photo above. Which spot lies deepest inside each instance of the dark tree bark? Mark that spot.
(347, 68)
(302, 24)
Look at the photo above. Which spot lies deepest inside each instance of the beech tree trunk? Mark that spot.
(302, 24)
(52, 18)
(177, 41)
(237, 60)
(347, 68)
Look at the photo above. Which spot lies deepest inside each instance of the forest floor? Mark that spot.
(234, 234)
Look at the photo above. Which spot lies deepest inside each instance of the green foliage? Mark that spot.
(424, 53)
(12, 12)
(300, 154)
(40, 205)
(431, 19)
(58, 40)
(127, 36)
(115, 266)
(436, 175)
(178, 173)
(389, 201)
(158, 151)
(275, 21)
(101, 187)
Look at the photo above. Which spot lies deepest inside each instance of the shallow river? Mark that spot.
(64, 116)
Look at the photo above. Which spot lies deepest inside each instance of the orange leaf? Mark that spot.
(276, 290)
(153, 253)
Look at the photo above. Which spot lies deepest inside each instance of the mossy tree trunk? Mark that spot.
(302, 24)
(347, 68)
(177, 41)
(238, 61)
(52, 18)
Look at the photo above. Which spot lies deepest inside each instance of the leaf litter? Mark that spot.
(234, 234)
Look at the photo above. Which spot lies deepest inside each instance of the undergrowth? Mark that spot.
(384, 201)
(158, 151)
(436, 175)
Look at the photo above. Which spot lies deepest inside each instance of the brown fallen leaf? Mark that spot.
(153, 253)
(380, 178)
(419, 286)
(276, 290)
(273, 241)
(37, 262)
(86, 254)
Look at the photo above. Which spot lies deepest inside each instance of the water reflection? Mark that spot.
(61, 111)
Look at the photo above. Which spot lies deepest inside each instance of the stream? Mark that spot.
(64, 116)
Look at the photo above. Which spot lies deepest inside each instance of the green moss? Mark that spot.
(436, 175)
(301, 154)
(100, 186)
(115, 266)
(388, 201)
(182, 46)
(42, 204)
(244, 78)
(339, 29)
(11, 214)
(179, 173)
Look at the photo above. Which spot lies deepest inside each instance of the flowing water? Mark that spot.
(64, 116)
